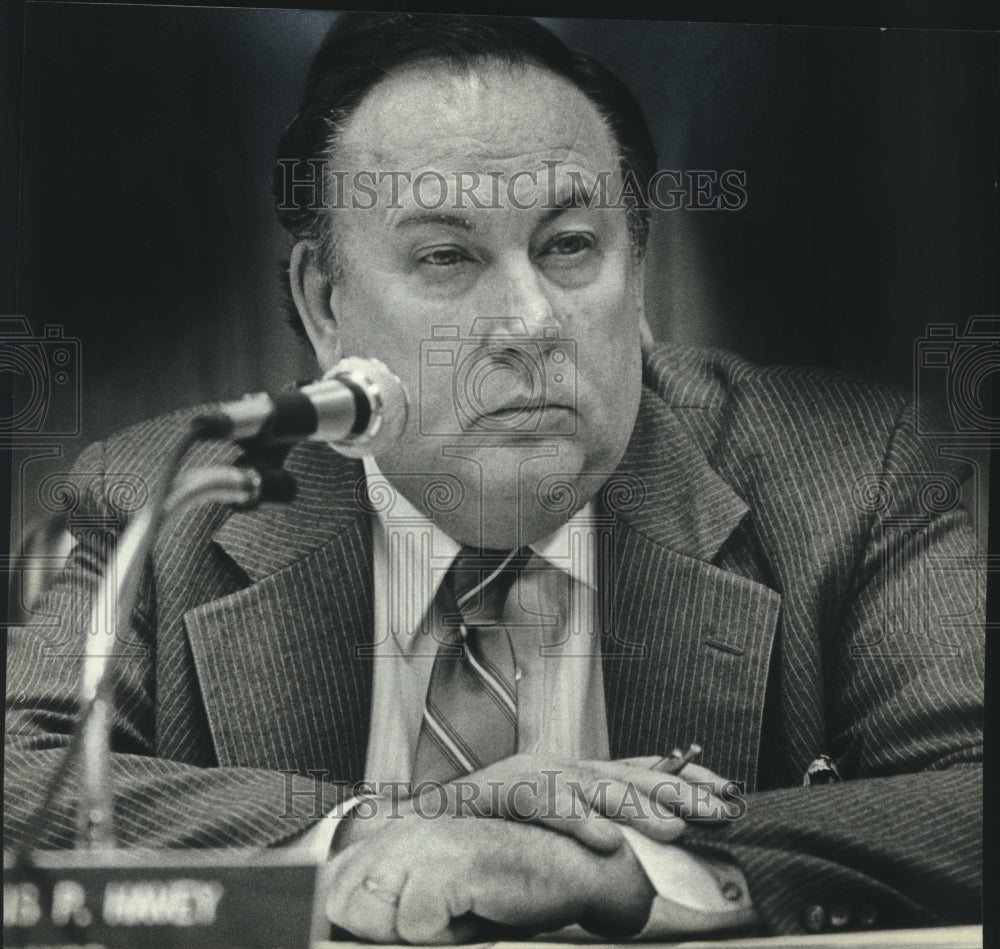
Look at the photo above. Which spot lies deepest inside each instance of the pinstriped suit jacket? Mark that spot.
(790, 575)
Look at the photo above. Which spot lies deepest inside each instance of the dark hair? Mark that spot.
(361, 49)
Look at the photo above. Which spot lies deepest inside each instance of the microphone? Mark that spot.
(359, 406)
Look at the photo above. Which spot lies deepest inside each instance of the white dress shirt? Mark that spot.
(560, 685)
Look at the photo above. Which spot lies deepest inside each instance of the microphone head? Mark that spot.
(387, 399)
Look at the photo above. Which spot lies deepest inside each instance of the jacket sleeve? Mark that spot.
(898, 842)
(157, 802)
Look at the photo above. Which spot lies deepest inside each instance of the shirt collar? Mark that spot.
(557, 548)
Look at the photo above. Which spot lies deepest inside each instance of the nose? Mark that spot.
(525, 305)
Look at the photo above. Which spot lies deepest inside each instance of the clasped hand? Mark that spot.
(434, 868)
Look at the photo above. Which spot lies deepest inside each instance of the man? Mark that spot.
(612, 552)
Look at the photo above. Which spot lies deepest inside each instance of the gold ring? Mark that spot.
(379, 891)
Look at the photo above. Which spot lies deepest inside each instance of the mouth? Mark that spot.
(524, 410)
(526, 419)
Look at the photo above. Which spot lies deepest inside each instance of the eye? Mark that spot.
(443, 256)
(571, 244)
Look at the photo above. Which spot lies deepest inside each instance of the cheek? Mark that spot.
(605, 327)
(378, 323)
(609, 365)
(388, 326)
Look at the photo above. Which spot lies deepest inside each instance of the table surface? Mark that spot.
(944, 937)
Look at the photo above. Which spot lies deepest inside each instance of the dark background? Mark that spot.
(146, 231)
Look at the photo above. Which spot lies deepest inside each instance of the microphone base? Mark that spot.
(209, 899)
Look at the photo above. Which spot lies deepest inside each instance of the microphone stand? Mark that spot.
(256, 476)
(112, 608)
(359, 406)
(245, 898)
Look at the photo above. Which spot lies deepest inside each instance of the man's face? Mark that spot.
(511, 315)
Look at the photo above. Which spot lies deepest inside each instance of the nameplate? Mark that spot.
(216, 899)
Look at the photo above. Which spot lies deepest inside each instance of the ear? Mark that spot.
(638, 281)
(311, 292)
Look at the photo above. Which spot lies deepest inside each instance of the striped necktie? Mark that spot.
(470, 713)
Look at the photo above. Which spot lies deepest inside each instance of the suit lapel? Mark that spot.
(283, 668)
(686, 644)
(278, 662)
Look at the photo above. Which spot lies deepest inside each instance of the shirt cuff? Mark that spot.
(694, 893)
(317, 842)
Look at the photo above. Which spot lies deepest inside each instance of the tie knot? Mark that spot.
(480, 579)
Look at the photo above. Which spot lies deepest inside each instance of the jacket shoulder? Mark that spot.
(146, 445)
(115, 476)
(692, 377)
(806, 448)
(796, 415)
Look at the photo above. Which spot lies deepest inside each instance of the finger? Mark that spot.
(554, 802)
(645, 799)
(643, 810)
(341, 875)
(699, 774)
(728, 791)
(646, 762)
(667, 794)
(373, 908)
(591, 829)
(363, 898)
(694, 772)
(589, 806)
(425, 914)
(575, 815)
(541, 882)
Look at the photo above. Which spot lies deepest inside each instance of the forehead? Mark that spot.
(505, 116)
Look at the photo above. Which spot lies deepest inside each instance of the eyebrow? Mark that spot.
(570, 202)
(435, 217)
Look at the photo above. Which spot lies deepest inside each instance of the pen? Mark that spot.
(675, 761)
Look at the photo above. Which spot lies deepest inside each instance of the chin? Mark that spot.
(500, 532)
(523, 501)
